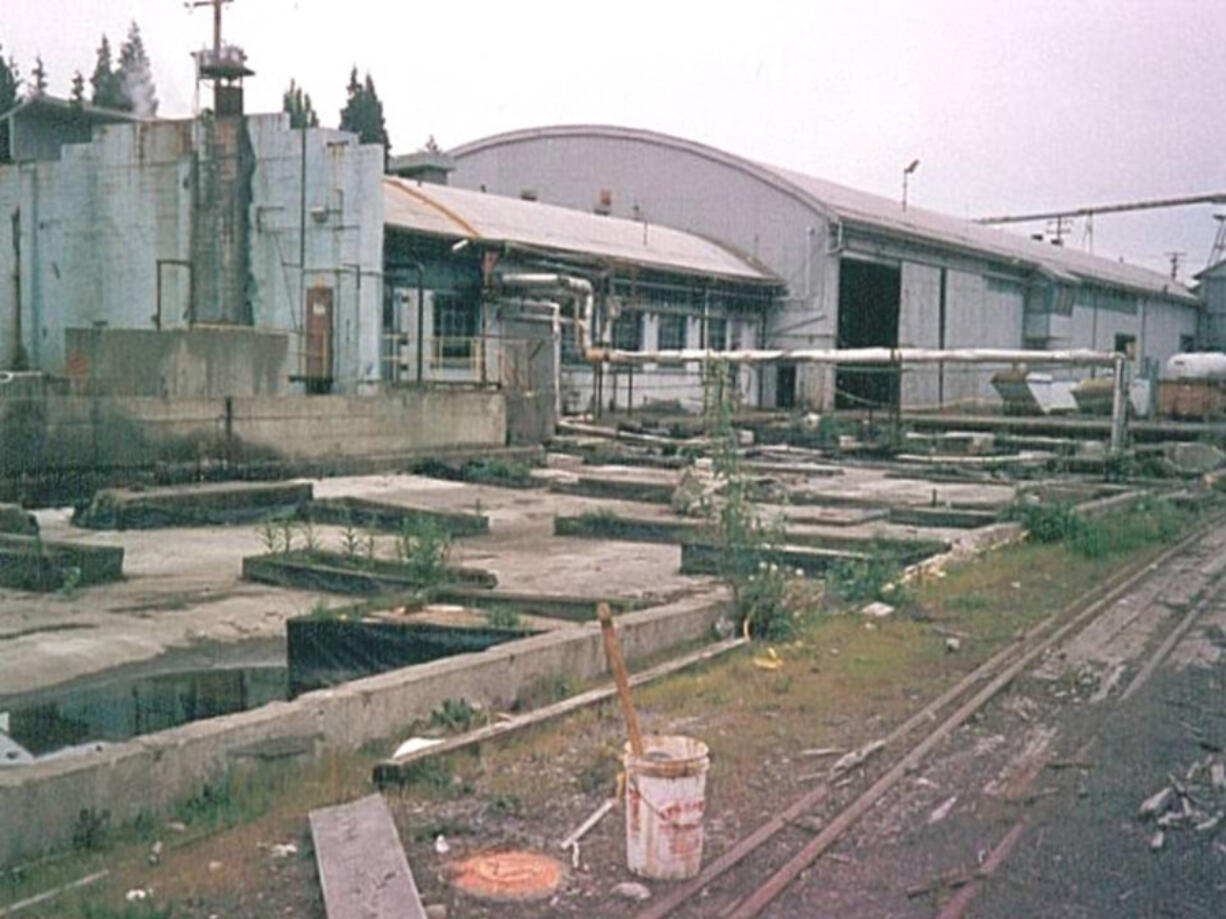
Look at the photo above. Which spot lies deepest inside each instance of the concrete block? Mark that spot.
(17, 521)
(30, 563)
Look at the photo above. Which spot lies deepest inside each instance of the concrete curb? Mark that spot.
(40, 804)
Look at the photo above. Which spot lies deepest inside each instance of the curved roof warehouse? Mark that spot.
(860, 269)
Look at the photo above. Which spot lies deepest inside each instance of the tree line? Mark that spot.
(127, 85)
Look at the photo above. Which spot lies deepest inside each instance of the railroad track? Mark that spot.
(958, 704)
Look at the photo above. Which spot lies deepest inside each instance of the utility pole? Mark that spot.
(1175, 257)
(216, 5)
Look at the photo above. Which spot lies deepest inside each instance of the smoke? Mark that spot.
(138, 87)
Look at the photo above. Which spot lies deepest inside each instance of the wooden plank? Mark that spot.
(363, 871)
(394, 770)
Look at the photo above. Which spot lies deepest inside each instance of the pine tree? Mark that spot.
(363, 113)
(136, 76)
(39, 73)
(107, 92)
(78, 90)
(298, 104)
(10, 88)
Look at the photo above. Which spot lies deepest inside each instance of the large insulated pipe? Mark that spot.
(898, 356)
(1079, 356)
(581, 293)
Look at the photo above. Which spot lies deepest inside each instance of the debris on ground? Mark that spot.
(1196, 803)
(877, 609)
(952, 645)
(768, 661)
(943, 810)
(631, 890)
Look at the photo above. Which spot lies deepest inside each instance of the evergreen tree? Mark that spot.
(10, 87)
(39, 73)
(107, 92)
(78, 90)
(136, 76)
(298, 104)
(363, 113)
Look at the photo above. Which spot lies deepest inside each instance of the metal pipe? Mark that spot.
(1212, 198)
(421, 311)
(580, 291)
(1077, 356)
(1119, 403)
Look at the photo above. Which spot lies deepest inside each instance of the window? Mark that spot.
(627, 332)
(717, 334)
(455, 327)
(1126, 345)
(1187, 343)
(672, 332)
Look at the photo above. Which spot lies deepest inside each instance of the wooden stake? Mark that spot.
(613, 654)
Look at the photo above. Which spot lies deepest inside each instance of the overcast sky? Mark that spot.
(1010, 105)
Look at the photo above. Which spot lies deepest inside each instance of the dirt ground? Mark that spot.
(843, 683)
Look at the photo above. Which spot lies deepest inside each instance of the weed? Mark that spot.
(1046, 522)
(1150, 521)
(269, 535)
(503, 618)
(310, 541)
(322, 612)
(287, 535)
(349, 537)
(497, 471)
(860, 580)
(505, 803)
(454, 715)
(598, 777)
(90, 830)
(743, 537)
(432, 773)
(368, 549)
(423, 547)
(689, 498)
(70, 579)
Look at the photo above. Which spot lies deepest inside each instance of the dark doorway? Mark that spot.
(785, 386)
(868, 318)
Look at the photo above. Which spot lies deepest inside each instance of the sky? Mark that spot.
(1011, 106)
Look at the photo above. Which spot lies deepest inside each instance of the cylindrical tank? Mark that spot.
(1200, 365)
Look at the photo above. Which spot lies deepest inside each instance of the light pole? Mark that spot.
(906, 174)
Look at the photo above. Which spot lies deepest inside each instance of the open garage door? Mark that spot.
(868, 318)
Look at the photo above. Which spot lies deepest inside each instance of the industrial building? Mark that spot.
(172, 286)
(861, 270)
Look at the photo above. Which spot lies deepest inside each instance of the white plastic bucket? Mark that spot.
(665, 801)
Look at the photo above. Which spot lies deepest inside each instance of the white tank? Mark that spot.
(1200, 365)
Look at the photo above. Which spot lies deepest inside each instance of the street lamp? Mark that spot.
(906, 174)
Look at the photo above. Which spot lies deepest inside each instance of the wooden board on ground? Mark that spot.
(363, 872)
(398, 768)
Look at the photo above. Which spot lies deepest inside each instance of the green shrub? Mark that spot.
(1046, 522)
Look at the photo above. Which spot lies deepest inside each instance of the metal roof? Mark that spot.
(884, 214)
(461, 213)
(53, 105)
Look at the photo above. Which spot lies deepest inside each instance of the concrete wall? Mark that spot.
(95, 225)
(203, 362)
(48, 432)
(39, 804)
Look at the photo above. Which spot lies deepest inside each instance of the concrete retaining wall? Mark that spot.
(45, 432)
(40, 804)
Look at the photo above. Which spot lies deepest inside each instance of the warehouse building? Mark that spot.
(860, 269)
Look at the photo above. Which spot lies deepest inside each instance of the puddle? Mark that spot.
(120, 708)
